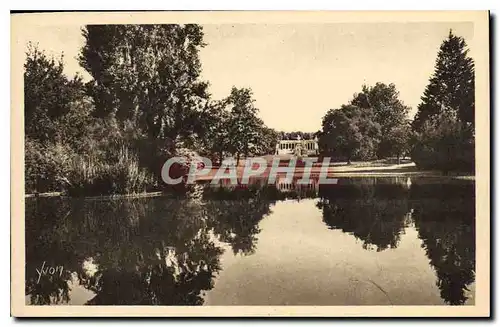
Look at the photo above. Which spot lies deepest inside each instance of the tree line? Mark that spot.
(375, 123)
(145, 102)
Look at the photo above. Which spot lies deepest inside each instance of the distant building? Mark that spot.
(297, 147)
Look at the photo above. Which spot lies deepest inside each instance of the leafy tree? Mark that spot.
(451, 85)
(398, 139)
(349, 132)
(48, 95)
(57, 117)
(244, 125)
(75, 127)
(388, 111)
(146, 86)
(215, 125)
(269, 139)
(443, 143)
(146, 74)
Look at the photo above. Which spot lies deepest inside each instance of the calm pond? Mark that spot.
(364, 241)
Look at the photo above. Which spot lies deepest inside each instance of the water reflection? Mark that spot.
(444, 216)
(153, 251)
(373, 210)
(165, 251)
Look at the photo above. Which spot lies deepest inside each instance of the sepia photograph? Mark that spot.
(250, 164)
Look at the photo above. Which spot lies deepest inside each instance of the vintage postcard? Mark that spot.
(306, 164)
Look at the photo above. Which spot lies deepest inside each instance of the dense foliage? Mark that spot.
(144, 103)
(350, 132)
(373, 125)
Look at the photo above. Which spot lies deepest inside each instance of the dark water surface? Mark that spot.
(373, 241)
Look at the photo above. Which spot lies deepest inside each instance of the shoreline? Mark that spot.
(97, 197)
(340, 172)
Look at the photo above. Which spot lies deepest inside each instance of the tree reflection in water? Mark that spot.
(154, 251)
(444, 215)
(166, 251)
(145, 251)
(377, 210)
(374, 210)
(46, 234)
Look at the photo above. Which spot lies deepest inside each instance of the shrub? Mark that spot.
(444, 143)
(91, 176)
(45, 166)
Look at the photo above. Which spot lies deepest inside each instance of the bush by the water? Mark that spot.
(91, 176)
(445, 143)
(58, 168)
(44, 166)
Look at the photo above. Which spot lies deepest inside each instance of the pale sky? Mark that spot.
(299, 71)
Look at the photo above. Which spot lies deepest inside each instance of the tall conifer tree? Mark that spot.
(452, 84)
